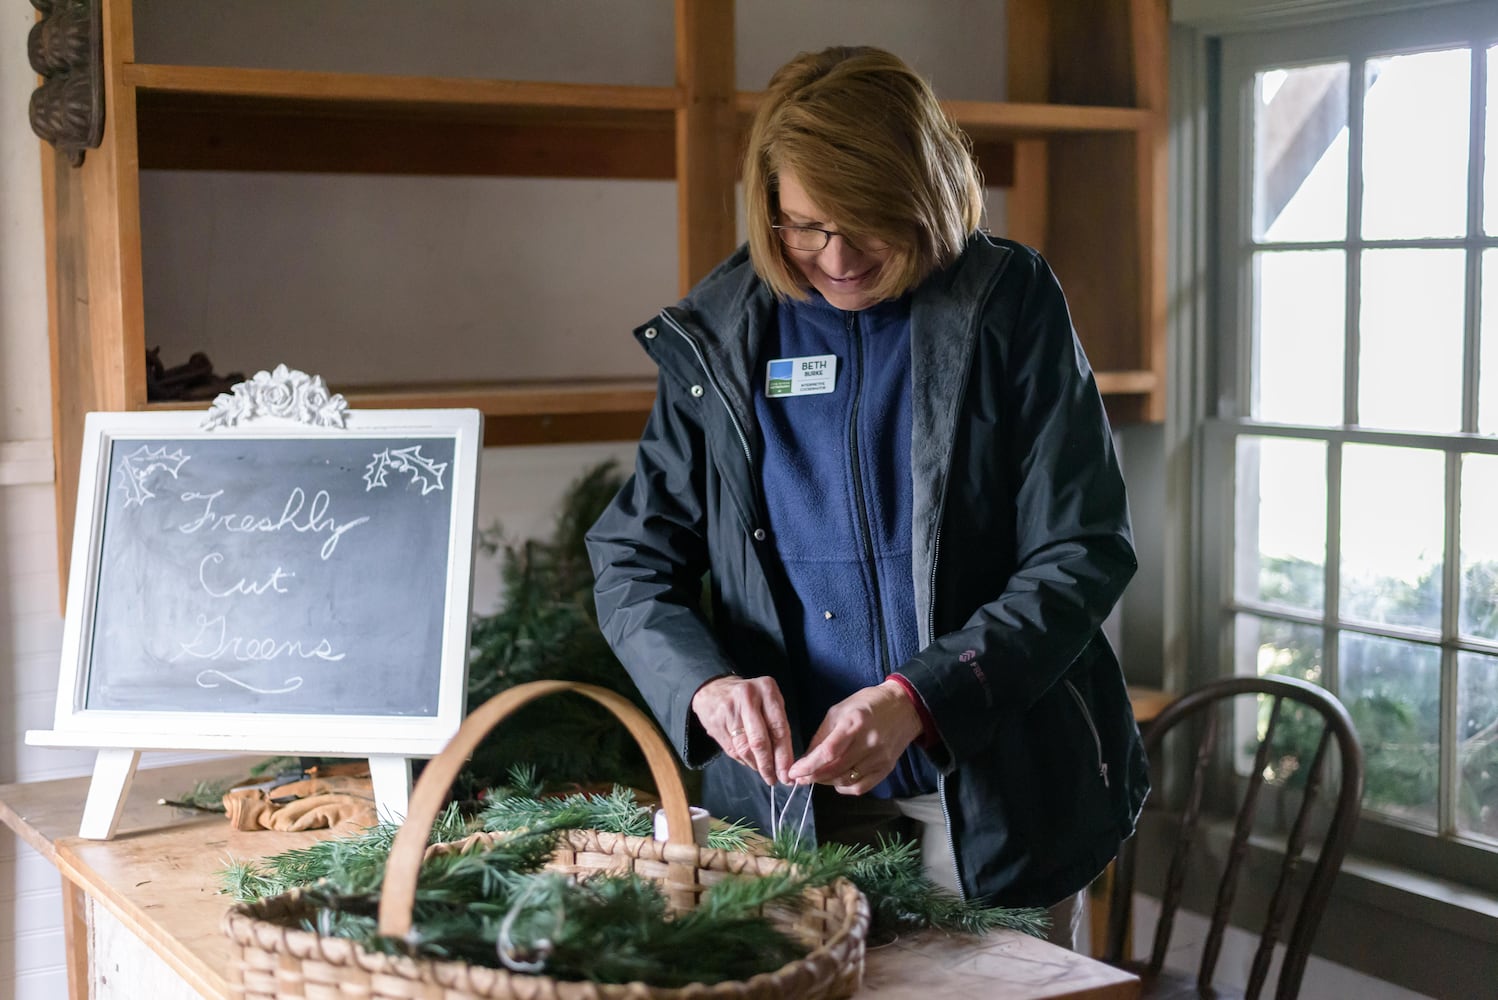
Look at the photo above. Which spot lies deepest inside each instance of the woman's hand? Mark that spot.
(746, 715)
(860, 741)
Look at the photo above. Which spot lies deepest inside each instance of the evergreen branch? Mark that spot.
(616, 812)
(901, 896)
(358, 860)
(731, 836)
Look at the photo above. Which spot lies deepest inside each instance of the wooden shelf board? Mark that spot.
(571, 410)
(300, 91)
(991, 120)
(542, 396)
(540, 412)
(998, 119)
(176, 137)
(218, 118)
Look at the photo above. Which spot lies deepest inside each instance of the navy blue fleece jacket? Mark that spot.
(837, 490)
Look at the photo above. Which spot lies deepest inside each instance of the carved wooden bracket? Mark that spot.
(66, 47)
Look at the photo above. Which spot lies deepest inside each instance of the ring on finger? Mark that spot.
(853, 776)
(736, 732)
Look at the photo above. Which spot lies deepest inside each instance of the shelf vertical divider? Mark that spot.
(1028, 36)
(1149, 36)
(94, 257)
(706, 139)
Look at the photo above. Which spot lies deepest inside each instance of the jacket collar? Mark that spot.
(944, 320)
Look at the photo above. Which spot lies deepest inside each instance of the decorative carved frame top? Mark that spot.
(283, 394)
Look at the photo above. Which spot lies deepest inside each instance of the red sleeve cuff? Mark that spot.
(928, 737)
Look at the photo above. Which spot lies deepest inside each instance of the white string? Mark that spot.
(504, 947)
(778, 819)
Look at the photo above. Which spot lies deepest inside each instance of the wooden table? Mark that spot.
(152, 893)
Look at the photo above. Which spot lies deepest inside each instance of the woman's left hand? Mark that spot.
(861, 739)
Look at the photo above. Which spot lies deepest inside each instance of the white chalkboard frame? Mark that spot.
(390, 742)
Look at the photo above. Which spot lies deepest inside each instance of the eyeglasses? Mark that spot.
(810, 239)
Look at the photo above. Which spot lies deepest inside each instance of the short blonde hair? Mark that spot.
(864, 135)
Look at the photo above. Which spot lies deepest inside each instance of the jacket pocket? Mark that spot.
(1097, 740)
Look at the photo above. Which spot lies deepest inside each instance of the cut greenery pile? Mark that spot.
(497, 906)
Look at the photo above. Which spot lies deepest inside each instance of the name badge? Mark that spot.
(801, 376)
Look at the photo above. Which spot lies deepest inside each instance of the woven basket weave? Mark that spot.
(272, 959)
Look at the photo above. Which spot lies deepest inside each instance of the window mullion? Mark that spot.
(1451, 572)
(1332, 571)
(1472, 331)
(1356, 86)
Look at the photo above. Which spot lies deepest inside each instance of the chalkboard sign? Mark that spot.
(302, 576)
(272, 586)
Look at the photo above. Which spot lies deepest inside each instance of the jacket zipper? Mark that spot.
(1102, 766)
(946, 818)
(712, 381)
(855, 349)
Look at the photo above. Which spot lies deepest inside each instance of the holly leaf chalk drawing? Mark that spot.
(140, 464)
(424, 472)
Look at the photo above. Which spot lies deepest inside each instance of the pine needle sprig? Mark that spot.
(615, 812)
(357, 860)
(723, 836)
(901, 896)
(245, 881)
(616, 931)
(522, 803)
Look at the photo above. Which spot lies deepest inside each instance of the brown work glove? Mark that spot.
(333, 810)
(342, 802)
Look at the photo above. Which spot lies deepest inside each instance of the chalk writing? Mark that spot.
(213, 642)
(314, 519)
(272, 584)
(244, 574)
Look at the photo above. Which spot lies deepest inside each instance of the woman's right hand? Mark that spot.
(746, 716)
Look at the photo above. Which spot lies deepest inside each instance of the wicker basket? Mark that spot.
(272, 959)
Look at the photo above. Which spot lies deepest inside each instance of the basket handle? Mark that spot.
(398, 893)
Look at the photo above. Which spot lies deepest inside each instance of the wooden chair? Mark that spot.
(1200, 711)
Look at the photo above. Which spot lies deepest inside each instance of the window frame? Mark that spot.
(1445, 853)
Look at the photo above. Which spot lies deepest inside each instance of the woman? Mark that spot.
(876, 434)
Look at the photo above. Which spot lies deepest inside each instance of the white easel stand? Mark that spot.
(391, 777)
(114, 771)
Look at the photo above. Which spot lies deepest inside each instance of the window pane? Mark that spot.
(1393, 691)
(1477, 749)
(1479, 606)
(1266, 647)
(1301, 318)
(1415, 129)
(1300, 153)
(1269, 647)
(1278, 648)
(1487, 385)
(1410, 359)
(1393, 513)
(1281, 529)
(1490, 183)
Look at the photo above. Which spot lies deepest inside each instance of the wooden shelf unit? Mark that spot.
(1080, 149)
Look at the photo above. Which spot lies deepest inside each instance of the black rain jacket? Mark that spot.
(1021, 547)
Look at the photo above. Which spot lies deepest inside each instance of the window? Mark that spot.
(1353, 456)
